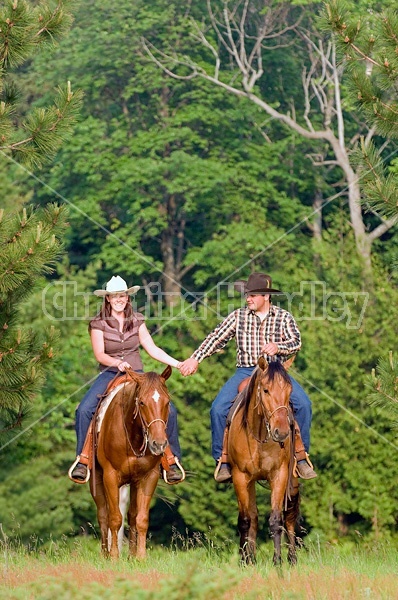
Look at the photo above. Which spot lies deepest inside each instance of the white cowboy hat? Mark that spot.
(117, 285)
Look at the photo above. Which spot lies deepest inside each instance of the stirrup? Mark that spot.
(176, 462)
(307, 458)
(78, 480)
(218, 467)
(217, 470)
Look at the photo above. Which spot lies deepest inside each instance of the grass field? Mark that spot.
(66, 571)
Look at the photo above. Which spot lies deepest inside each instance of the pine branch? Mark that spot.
(47, 129)
(384, 383)
(23, 31)
(379, 188)
(30, 242)
(369, 50)
(24, 28)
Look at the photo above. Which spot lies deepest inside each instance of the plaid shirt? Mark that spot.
(251, 336)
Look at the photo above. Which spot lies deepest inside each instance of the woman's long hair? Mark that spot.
(106, 313)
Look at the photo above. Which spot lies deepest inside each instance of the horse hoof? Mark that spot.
(277, 562)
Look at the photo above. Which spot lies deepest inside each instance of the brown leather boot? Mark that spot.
(303, 466)
(171, 469)
(81, 468)
(305, 470)
(223, 474)
(80, 472)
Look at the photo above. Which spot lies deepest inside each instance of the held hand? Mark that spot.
(189, 367)
(271, 349)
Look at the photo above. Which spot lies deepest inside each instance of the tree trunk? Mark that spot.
(317, 212)
(321, 82)
(171, 278)
(362, 239)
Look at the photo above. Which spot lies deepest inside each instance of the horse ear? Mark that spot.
(262, 363)
(166, 373)
(289, 362)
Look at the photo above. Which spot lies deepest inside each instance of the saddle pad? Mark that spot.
(104, 406)
(117, 380)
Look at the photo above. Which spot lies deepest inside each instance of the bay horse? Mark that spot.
(261, 447)
(130, 444)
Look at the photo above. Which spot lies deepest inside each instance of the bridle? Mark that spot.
(144, 424)
(266, 416)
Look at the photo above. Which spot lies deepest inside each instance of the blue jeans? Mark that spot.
(302, 409)
(86, 410)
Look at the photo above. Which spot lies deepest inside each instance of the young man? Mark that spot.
(260, 328)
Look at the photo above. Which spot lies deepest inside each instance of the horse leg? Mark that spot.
(124, 499)
(132, 520)
(115, 518)
(248, 517)
(146, 488)
(278, 487)
(102, 507)
(276, 529)
(291, 516)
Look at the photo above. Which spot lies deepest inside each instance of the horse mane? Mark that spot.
(275, 368)
(134, 388)
(151, 379)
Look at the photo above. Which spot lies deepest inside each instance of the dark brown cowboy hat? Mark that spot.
(257, 283)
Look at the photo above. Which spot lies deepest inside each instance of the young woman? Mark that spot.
(116, 336)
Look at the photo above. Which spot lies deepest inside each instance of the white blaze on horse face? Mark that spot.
(156, 396)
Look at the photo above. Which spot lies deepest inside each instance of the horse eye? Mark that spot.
(266, 391)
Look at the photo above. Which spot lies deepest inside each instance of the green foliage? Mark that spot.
(384, 383)
(37, 513)
(24, 29)
(31, 242)
(152, 166)
(181, 183)
(369, 47)
(11, 180)
(48, 428)
(46, 129)
(352, 442)
(380, 187)
(200, 572)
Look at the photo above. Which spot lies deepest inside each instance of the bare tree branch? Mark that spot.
(241, 31)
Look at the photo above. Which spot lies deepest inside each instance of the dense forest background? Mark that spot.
(183, 186)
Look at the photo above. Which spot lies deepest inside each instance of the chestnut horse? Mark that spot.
(130, 444)
(261, 447)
